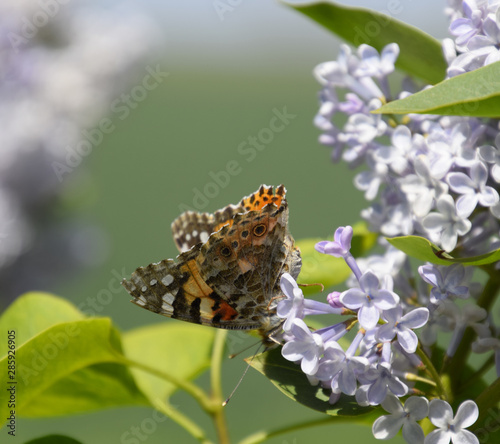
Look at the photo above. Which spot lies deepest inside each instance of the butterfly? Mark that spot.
(228, 273)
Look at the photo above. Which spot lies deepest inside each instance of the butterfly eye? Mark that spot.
(225, 251)
(259, 230)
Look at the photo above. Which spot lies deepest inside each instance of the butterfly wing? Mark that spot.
(244, 261)
(191, 228)
(230, 280)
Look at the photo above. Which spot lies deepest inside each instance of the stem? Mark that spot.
(460, 357)
(218, 413)
(487, 401)
(479, 373)
(263, 435)
(413, 377)
(432, 370)
(182, 420)
(198, 394)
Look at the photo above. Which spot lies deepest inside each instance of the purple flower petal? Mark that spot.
(368, 316)
(467, 414)
(353, 298)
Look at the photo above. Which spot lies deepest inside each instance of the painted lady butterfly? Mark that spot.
(228, 273)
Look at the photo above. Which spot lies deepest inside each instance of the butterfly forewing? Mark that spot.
(228, 278)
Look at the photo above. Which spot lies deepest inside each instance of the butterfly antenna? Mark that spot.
(313, 285)
(241, 351)
(242, 376)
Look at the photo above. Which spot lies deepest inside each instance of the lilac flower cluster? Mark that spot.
(476, 27)
(61, 68)
(435, 176)
(381, 363)
(429, 175)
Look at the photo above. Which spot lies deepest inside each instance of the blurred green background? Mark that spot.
(217, 94)
(189, 126)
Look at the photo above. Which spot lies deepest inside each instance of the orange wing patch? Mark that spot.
(263, 196)
(195, 285)
(256, 201)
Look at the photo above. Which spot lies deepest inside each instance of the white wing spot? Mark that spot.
(167, 280)
(203, 236)
(153, 282)
(195, 233)
(185, 247)
(188, 237)
(168, 299)
(144, 288)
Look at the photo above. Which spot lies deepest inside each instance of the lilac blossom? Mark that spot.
(467, 316)
(341, 243)
(449, 427)
(446, 225)
(440, 319)
(415, 409)
(379, 381)
(369, 299)
(424, 186)
(491, 155)
(408, 179)
(373, 65)
(487, 344)
(446, 281)
(305, 346)
(342, 368)
(477, 30)
(294, 306)
(473, 189)
(397, 154)
(340, 248)
(402, 326)
(427, 175)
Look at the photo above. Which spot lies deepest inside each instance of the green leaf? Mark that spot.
(475, 93)
(89, 389)
(420, 54)
(291, 381)
(179, 349)
(319, 268)
(54, 439)
(329, 270)
(33, 313)
(423, 249)
(363, 240)
(64, 367)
